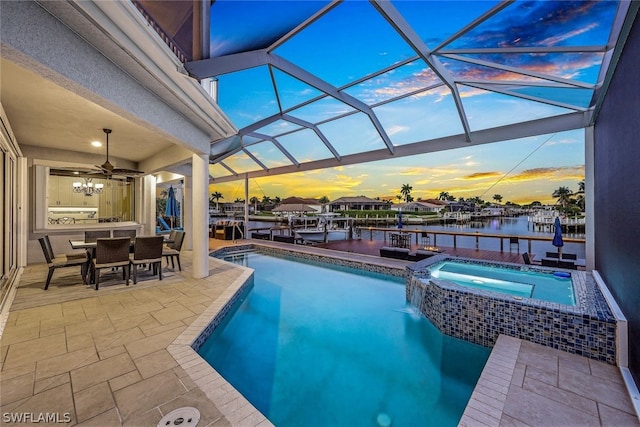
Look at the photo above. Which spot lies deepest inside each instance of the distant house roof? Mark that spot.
(299, 201)
(357, 199)
(293, 207)
(437, 202)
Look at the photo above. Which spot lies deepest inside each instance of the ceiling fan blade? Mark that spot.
(108, 169)
(127, 172)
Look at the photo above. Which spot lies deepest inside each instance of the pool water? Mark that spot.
(319, 345)
(521, 283)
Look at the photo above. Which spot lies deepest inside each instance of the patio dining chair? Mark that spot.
(66, 260)
(111, 253)
(147, 250)
(424, 239)
(131, 234)
(172, 250)
(94, 235)
(513, 240)
(172, 239)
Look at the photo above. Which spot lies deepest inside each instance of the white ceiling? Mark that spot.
(43, 114)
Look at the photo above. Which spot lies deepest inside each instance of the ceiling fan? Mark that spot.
(108, 169)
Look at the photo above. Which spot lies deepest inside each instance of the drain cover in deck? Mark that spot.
(183, 417)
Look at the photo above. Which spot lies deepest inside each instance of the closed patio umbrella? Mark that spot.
(172, 206)
(557, 236)
(399, 219)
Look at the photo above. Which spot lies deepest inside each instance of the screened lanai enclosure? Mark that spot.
(319, 84)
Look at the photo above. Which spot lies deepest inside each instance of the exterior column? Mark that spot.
(146, 205)
(589, 195)
(187, 212)
(246, 204)
(200, 215)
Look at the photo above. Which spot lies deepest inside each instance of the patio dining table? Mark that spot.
(90, 247)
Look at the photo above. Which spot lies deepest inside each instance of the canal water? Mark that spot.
(508, 226)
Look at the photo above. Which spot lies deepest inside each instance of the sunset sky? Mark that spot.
(521, 171)
(410, 100)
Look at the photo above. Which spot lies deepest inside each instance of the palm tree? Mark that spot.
(215, 197)
(580, 187)
(276, 200)
(563, 194)
(255, 201)
(406, 192)
(266, 200)
(444, 196)
(161, 202)
(497, 198)
(324, 200)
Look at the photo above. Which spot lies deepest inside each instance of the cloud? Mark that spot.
(560, 173)
(395, 129)
(413, 171)
(481, 175)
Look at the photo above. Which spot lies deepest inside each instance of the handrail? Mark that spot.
(455, 234)
(233, 232)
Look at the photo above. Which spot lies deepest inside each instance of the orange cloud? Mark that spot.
(482, 175)
(552, 174)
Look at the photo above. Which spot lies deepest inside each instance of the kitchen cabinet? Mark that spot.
(114, 201)
(60, 191)
(61, 194)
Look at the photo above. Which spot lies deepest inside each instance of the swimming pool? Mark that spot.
(314, 344)
(523, 283)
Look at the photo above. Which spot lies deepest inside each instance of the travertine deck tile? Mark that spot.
(16, 388)
(537, 410)
(51, 382)
(93, 401)
(147, 394)
(65, 362)
(547, 388)
(58, 399)
(125, 380)
(22, 333)
(153, 343)
(108, 418)
(30, 351)
(154, 363)
(100, 371)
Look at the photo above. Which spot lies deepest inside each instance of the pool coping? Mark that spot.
(486, 404)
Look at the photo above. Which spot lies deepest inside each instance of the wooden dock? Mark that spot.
(372, 247)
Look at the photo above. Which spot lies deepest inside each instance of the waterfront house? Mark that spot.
(417, 207)
(147, 71)
(358, 203)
